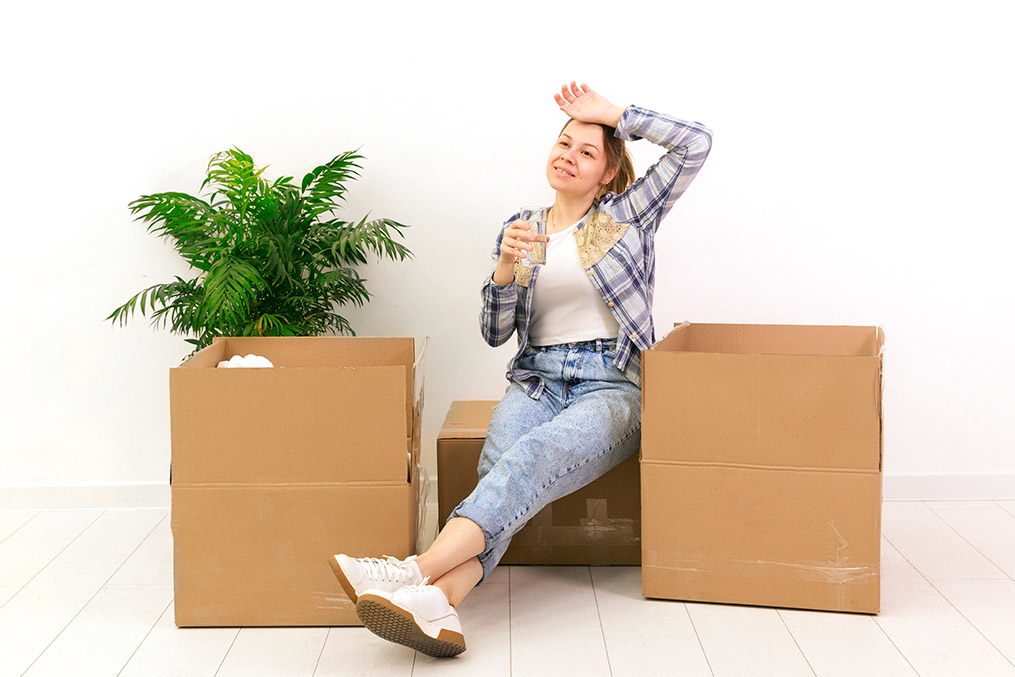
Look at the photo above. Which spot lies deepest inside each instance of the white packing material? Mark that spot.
(248, 361)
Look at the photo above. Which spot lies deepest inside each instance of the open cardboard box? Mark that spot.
(274, 470)
(598, 524)
(761, 465)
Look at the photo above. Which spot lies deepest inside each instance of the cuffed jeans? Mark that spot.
(587, 420)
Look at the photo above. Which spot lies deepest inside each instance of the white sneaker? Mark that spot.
(366, 573)
(418, 616)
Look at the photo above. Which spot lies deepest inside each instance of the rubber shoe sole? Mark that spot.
(343, 581)
(395, 624)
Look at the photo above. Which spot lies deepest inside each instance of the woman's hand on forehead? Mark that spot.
(583, 104)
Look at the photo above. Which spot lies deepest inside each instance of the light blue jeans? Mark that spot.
(587, 420)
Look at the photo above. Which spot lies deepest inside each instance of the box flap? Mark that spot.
(418, 374)
(315, 351)
(318, 351)
(336, 412)
(209, 356)
(416, 422)
(776, 396)
(774, 339)
(675, 338)
(467, 419)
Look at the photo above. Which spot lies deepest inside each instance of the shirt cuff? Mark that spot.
(627, 120)
(499, 291)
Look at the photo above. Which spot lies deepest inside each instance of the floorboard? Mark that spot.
(89, 592)
(744, 640)
(169, 651)
(39, 612)
(555, 627)
(274, 652)
(645, 637)
(931, 633)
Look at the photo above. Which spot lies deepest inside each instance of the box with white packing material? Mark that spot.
(276, 469)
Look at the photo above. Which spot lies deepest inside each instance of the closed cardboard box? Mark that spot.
(274, 470)
(761, 466)
(598, 524)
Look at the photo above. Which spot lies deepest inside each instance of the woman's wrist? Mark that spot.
(613, 117)
(504, 273)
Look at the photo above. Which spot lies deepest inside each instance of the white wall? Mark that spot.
(861, 174)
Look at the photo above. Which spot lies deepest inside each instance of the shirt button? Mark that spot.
(592, 272)
(610, 304)
(634, 336)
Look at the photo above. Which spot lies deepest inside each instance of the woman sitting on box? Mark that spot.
(572, 409)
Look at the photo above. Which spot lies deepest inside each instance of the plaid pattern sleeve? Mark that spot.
(497, 318)
(650, 198)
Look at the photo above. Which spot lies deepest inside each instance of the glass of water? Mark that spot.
(536, 218)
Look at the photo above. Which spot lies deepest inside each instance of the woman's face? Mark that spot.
(577, 162)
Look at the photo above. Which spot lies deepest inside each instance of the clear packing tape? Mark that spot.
(422, 496)
(837, 578)
(809, 571)
(597, 527)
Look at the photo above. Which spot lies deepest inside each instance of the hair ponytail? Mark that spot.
(617, 156)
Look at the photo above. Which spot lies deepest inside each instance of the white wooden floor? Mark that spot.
(89, 592)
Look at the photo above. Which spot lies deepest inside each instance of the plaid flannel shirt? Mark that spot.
(620, 234)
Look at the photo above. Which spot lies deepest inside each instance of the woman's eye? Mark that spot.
(588, 153)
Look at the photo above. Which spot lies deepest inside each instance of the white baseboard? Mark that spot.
(949, 487)
(52, 496)
(897, 487)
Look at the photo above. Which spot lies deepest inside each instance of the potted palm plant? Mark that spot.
(271, 257)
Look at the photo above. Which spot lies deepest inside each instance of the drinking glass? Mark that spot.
(536, 218)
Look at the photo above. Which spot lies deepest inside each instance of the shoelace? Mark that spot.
(417, 587)
(387, 569)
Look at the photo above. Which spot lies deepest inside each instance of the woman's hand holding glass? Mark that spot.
(516, 244)
(517, 241)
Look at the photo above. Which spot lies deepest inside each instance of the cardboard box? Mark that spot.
(598, 524)
(274, 470)
(761, 466)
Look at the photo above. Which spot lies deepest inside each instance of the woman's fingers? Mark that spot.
(569, 94)
(522, 234)
(520, 241)
(516, 249)
(515, 242)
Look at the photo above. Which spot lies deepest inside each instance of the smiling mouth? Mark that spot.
(563, 172)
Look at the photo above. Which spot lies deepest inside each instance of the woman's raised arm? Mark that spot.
(650, 198)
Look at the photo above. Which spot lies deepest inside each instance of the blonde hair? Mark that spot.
(617, 156)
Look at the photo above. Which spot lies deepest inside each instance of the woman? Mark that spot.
(572, 408)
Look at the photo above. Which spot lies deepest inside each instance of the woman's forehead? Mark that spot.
(584, 132)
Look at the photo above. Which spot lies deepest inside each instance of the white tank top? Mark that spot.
(566, 307)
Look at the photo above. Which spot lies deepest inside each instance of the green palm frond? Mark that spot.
(324, 187)
(346, 243)
(231, 287)
(182, 219)
(269, 265)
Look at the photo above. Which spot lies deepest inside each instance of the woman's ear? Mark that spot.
(608, 176)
